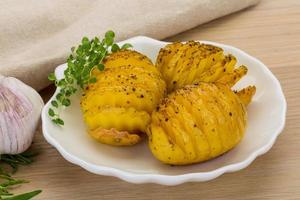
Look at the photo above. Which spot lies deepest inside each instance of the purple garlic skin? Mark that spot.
(20, 109)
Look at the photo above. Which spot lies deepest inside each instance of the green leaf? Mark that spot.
(101, 67)
(86, 46)
(62, 91)
(51, 112)
(66, 102)
(54, 104)
(54, 121)
(70, 64)
(85, 40)
(93, 80)
(68, 92)
(60, 121)
(24, 196)
(96, 40)
(109, 41)
(69, 79)
(110, 34)
(59, 97)
(100, 48)
(115, 48)
(71, 57)
(61, 82)
(79, 51)
(51, 77)
(92, 57)
(126, 46)
(86, 73)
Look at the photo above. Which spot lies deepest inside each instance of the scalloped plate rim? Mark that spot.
(170, 179)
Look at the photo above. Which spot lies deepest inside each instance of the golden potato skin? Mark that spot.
(197, 123)
(115, 137)
(117, 108)
(246, 94)
(191, 62)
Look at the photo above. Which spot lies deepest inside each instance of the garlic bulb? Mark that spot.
(20, 108)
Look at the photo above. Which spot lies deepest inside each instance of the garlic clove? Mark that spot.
(20, 109)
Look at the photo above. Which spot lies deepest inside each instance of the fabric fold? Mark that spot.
(36, 36)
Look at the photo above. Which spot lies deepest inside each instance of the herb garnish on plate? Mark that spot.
(83, 59)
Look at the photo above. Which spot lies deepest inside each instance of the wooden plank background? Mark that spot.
(271, 32)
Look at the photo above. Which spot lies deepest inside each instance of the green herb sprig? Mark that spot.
(80, 64)
(6, 179)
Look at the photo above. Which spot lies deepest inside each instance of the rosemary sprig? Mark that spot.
(24, 196)
(80, 64)
(7, 181)
(14, 161)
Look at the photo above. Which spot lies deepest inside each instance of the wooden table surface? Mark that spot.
(271, 32)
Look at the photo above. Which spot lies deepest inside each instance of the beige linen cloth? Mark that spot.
(36, 35)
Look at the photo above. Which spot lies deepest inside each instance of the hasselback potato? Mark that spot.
(200, 119)
(198, 122)
(191, 62)
(117, 108)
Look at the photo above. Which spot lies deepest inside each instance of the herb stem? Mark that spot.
(7, 181)
(80, 64)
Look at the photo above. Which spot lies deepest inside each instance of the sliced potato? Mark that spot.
(191, 62)
(120, 103)
(198, 122)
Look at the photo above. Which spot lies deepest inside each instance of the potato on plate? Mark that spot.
(117, 108)
(191, 62)
(198, 122)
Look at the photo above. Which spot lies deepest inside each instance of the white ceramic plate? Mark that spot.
(136, 164)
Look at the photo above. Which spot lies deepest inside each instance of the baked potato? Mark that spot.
(191, 62)
(198, 122)
(117, 108)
